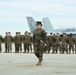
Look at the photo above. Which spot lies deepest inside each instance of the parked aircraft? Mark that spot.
(48, 27)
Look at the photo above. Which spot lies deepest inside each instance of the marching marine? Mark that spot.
(39, 41)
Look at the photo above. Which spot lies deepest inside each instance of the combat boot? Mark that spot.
(24, 52)
(39, 62)
(69, 52)
(5, 52)
(20, 51)
(10, 51)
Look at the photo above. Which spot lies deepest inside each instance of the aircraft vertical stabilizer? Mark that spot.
(47, 24)
(31, 23)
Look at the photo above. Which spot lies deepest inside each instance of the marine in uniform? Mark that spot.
(8, 43)
(58, 40)
(75, 44)
(26, 39)
(50, 41)
(18, 42)
(1, 38)
(30, 42)
(64, 43)
(46, 50)
(71, 43)
(39, 41)
(54, 44)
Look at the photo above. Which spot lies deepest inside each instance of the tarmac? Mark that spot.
(25, 64)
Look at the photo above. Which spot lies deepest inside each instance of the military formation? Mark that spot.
(26, 39)
(61, 44)
(39, 43)
(54, 43)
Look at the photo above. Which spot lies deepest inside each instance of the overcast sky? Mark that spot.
(13, 13)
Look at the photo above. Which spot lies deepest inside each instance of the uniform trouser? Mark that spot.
(17, 47)
(49, 47)
(38, 50)
(5, 47)
(0, 48)
(9, 47)
(30, 46)
(75, 48)
(60, 48)
(64, 48)
(57, 47)
(26, 47)
(54, 48)
(71, 46)
(20, 46)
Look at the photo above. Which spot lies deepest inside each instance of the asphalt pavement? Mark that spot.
(25, 64)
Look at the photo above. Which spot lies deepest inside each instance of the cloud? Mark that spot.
(13, 13)
(13, 16)
(54, 8)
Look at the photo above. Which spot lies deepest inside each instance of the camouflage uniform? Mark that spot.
(71, 43)
(54, 44)
(50, 39)
(39, 40)
(75, 45)
(30, 43)
(58, 39)
(8, 42)
(1, 38)
(64, 43)
(26, 39)
(47, 46)
(18, 42)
